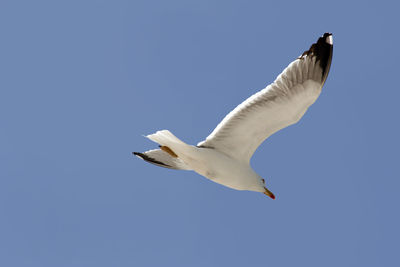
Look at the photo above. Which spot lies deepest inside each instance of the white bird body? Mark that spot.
(211, 163)
(224, 157)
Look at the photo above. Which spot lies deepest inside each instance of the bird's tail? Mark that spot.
(165, 138)
(168, 154)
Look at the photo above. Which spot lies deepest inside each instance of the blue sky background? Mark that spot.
(82, 81)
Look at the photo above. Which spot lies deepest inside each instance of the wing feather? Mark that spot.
(163, 159)
(279, 105)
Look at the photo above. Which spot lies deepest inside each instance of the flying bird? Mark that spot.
(224, 156)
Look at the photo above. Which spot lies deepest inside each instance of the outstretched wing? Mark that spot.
(279, 105)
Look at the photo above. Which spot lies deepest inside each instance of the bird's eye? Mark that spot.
(263, 181)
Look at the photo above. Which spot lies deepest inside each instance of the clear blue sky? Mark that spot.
(82, 81)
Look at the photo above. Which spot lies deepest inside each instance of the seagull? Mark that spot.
(224, 156)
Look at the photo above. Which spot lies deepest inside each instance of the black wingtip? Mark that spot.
(140, 155)
(149, 159)
(323, 50)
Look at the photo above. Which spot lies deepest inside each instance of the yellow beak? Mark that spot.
(269, 193)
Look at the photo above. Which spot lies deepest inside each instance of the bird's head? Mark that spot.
(266, 191)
